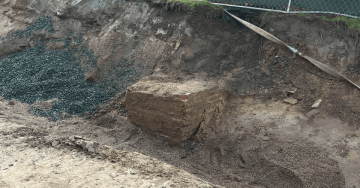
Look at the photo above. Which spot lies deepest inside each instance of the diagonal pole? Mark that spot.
(288, 6)
(269, 36)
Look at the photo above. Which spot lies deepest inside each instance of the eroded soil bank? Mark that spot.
(79, 62)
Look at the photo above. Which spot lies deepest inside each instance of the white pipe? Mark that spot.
(288, 6)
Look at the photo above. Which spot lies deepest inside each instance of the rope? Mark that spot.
(320, 65)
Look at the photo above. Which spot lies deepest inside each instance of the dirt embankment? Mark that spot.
(101, 49)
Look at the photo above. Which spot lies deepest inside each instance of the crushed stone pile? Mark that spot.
(37, 74)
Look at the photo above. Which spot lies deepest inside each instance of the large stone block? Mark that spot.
(175, 110)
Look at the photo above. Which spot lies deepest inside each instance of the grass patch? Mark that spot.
(351, 22)
(192, 3)
(265, 15)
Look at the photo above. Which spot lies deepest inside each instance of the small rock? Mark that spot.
(71, 138)
(312, 112)
(113, 175)
(316, 103)
(90, 145)
(55, 143)
(292, 90)
(78, 137)
(188, 31)
(65, 115)
(32, 44)
(77, 122)
(238, 179)
(132, 172)
(265, 138)
(291, 100)
(298, 96)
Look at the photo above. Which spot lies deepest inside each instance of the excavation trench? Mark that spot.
(192, 88)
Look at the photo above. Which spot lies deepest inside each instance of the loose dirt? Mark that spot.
(71, 129)
(33, 156)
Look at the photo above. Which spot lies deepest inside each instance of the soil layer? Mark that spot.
(65, 69)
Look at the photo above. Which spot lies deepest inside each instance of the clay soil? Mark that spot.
(259, 141)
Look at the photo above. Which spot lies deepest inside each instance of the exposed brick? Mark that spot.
(174, 109)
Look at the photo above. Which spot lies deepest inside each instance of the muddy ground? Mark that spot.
(259, 141)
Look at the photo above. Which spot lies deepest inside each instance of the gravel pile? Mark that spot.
(39, 74)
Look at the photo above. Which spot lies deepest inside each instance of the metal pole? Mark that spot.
(289, 6)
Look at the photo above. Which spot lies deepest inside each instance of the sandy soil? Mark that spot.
(260, 140)
(32, 156)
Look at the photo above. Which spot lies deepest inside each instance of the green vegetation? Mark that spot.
(192, 3)
(302, 14)
(351, 22)
(265, 15)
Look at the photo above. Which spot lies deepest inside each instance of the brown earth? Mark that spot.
(258, 139)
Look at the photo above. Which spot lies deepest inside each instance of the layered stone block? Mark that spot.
(175, 110)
